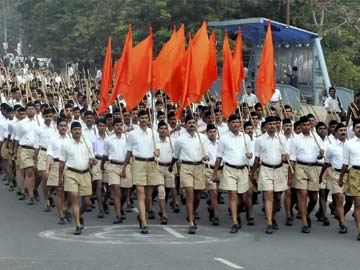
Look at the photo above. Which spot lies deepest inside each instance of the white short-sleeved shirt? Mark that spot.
(188, 148)
(232, 148)
(25, 132)
(55, 143)
(351, 152)
(304, 148)
(211, 151)
(43, 133)
(115, 147)
(4, 129)
(332, 104)
(98, 145)
(251, 99)
(76, 155)
(269, 149)
(141, 143)
(165, 150)
(334, 154)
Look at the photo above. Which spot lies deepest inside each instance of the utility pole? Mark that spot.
(287, 13)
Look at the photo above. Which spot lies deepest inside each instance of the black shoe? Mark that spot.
(144, 230)
(14, 183)
(251, 221)
(275, 226)
(269, 229)
(215, 221)
(234, 228)
(21, 197)
(68, 216)
(326, 222)
(77, 231)
(319, 216)
(89, 209)
(176, 209)
(192, 229)
(211, 214)
(117, 220)
(128, 209)
(30, 201)
(61, 221)
(308, 219)
(343, 229)
(11, 189)
(239, 222)
(111, 202)
(52, 202)
(298, 216)
(151, 214)
(101, 214)
(289, 221)
(47, 208)
(254, 198)
(305, 229)
(82, 223)
(164, 220)
(204, 195)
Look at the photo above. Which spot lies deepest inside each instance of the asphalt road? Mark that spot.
(32, 239)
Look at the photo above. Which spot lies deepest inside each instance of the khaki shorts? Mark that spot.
(76, 182)
(4, 151)
(105, 173)
(272, 179)
(168, 177)
(192, 176)
(332, 116)
(326, 182)
(114, 172)
(333, 180)
(353, 183)
(307, 177)
(96, 173)
(146, 173)
(208, 173)
(41, 165)
(26, 158)
(235, 179)
(18, 160)
(53, 179)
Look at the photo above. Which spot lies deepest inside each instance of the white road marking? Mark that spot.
(136, 210)
(173, 232)
(228, 263)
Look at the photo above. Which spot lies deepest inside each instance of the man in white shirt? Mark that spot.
(332, 106)
(189, 148)
(52, 169)
(25, 139)
(351, 157)
(234, 152)
(332, 165)
(89, 129)
(275, 100)
(142, 146)
(306, 149)
(221, 127)
(43, 133)
(77, 155)
(270, 151)
(115, 149)
(249, 97)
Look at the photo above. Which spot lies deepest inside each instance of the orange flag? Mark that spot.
(265, 82)
(200, 57)
(123, 69)
(187, 62)
(228, 83)
(238, 62)
(141, 64)
(168, 59)
(106, 79)
(211, 70)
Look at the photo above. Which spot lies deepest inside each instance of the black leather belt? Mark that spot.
(191, 162)
(116, 162)
(56, 160)
(272, 166)
(319, 164)
(78, 171)
(241, 167)
(311, 164)
(43, 148)
(98, 157)
(339, 170)
(333, 112)
(164, 164)
(27, 147)
(355, 167)
(144, 159)
(213, 167)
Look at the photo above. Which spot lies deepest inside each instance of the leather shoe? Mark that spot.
(234, 228)
(176, 209)
(61, 221)
(269, 229)
(251, 221)
(289, 221)
(77, 231)
(326, 222)
(192, 229)
(305, 229)
(215, 221)
(117, 220)
(275, 226)
(144, 230)
(47, 208)
(164, 220)
(151, 214)
(343, 229)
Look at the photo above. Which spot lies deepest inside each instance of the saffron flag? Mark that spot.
(238, 62)
(106, 78)
(123, 69)
(211, 71)
(228, 83)
(265, 82)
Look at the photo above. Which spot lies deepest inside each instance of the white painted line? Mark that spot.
(228, 263)
(173, 232)
(136, 210)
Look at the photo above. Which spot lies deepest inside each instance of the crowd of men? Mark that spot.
(53, 141)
